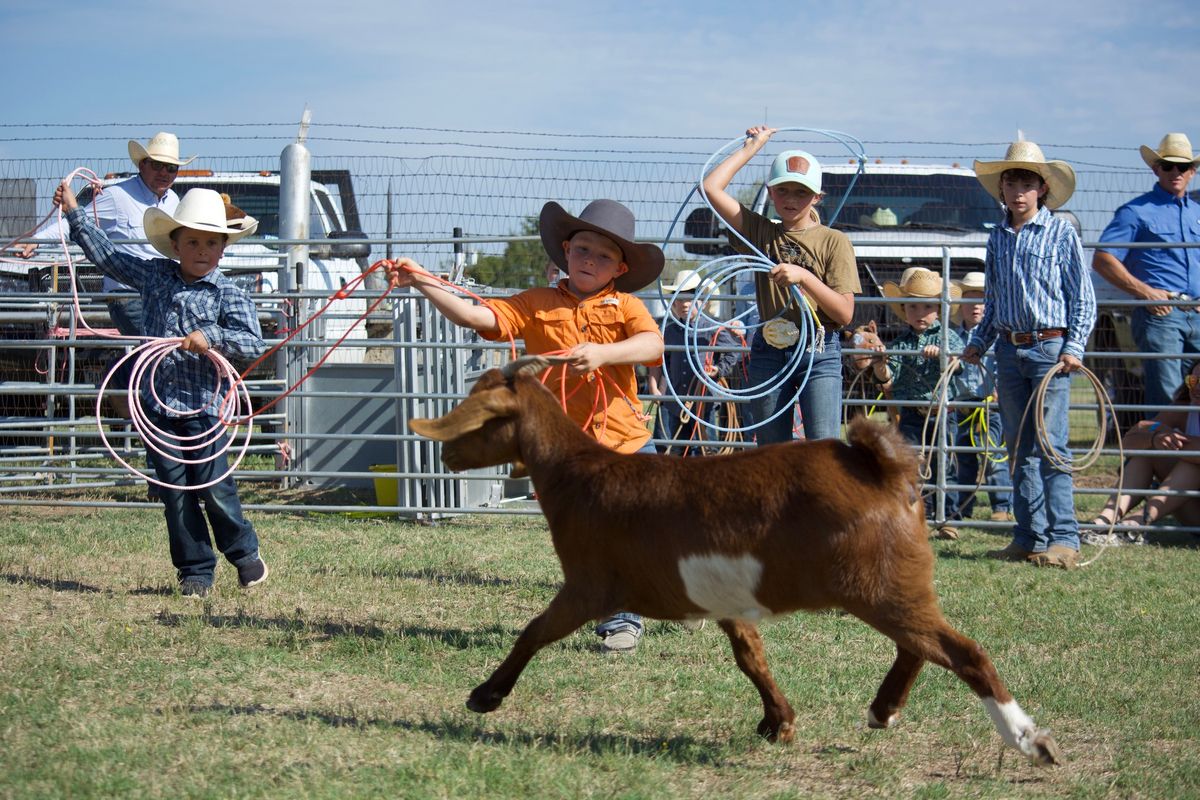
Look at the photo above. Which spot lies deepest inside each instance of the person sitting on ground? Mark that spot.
(185, 296)
(593, 317)
(914, 375)
(1176, 430)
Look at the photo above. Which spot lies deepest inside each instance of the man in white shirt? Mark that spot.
(120, 209)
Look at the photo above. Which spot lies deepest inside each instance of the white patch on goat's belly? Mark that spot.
(724, 586)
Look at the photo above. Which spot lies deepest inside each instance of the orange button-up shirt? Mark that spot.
(551, 319)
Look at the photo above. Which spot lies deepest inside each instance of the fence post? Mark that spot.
(295, 190)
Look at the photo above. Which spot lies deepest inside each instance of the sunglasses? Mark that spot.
(1169, 166)
(1191, 381)
(159, 166)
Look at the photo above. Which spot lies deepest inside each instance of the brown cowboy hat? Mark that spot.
(612, 220)
(1058, 175)
(919, 284)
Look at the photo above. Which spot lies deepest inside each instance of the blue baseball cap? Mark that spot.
(796, 166)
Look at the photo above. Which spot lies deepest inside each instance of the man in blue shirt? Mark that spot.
(1164, 214)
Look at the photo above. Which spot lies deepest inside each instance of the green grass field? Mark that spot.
(346, 675)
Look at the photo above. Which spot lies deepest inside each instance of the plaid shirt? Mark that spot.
(914, 377)
(173, 308)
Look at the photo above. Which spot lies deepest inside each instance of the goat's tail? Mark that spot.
(895, 458)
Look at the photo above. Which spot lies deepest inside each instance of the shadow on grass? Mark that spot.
(327, 629)
(459, 577)
(682, 749)
(55, 584)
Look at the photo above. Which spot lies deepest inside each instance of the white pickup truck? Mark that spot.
(890, 209)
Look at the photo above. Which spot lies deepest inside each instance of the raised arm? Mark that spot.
(717, 181)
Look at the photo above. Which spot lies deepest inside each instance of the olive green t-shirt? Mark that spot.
(824, 251)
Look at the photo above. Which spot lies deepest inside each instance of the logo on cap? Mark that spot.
(798, 164)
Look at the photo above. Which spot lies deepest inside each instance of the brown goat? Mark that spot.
(736, 538)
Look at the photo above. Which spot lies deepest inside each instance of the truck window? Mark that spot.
(881, 200)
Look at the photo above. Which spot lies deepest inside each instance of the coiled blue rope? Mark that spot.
(713, 274)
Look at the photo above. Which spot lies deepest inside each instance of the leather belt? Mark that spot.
(1029, 337)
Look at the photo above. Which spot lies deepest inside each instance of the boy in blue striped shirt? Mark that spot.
(185, 296)
(1039, 311)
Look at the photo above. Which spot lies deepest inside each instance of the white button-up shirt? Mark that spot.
(121, 209)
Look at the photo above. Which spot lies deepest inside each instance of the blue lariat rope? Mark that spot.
(717, 272)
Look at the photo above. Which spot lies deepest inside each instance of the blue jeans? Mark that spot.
(126, 314)
(1177, 332)
(995, 473)
(912, 426)
(1043, 497)
(820, 402)
(191, 548)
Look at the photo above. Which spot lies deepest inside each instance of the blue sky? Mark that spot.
(1100, 72)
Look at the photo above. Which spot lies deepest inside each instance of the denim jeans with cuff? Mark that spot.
(187, 528)
(1043, 496)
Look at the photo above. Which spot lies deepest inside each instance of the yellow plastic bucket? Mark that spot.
(387, 490)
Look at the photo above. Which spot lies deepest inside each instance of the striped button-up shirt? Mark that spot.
(1036, 279)
(213, 305)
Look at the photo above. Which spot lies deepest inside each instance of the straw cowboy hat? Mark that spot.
(607, 218)
(202, 210)
(163, 147)
(686, 280)
(1058, 175)
(920, 284)
(1173, 147)
(971, 282)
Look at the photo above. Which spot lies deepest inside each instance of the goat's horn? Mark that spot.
(530, 365)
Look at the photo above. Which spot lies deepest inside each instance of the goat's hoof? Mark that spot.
(482, 701)
(1043, 750)
(776, 732)
(879, 724)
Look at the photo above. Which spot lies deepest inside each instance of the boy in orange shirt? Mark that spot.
(593, 316)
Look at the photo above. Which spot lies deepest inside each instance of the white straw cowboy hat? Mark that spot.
(202, 210)
(162, 147)
(1173, 147)
(686, 280)
(1058, 175)
(918, 283)
(612, 220)
(971, 282)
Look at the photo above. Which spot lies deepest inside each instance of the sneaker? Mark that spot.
(253, 573)
(1098, 539)
(194, 588)
(619, 635)
(1013, 552)
(1057, 556)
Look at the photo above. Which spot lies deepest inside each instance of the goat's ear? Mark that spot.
(471, 415)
